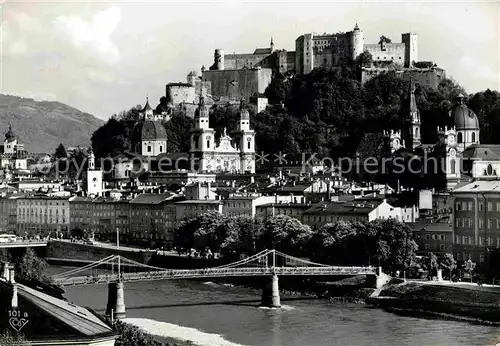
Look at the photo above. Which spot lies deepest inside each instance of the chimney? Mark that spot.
(5, 274)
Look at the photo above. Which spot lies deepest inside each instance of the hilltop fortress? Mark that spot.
(237, 76)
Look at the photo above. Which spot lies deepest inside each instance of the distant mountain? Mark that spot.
(42, 125)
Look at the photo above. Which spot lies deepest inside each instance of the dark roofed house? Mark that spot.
(354, 211)
(45, 320)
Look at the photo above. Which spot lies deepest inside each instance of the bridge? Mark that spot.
(23, 243)
(116, 270)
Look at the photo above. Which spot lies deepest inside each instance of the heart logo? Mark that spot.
(17, 323)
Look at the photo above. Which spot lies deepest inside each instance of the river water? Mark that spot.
(214, 314)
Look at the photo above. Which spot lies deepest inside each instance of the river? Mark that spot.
(214, 314)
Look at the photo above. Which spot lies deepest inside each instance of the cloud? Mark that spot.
(92, 36)
(18, 47)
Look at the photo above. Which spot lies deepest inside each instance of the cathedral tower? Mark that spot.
(202, 143)
(247, 140)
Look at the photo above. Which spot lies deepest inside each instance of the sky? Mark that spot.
(103, 57)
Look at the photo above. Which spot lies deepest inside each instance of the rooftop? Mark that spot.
(479, 186)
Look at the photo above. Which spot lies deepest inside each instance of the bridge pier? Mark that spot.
(271, 293)
(116, 301)
(379, 279)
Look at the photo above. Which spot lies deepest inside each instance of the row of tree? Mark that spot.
(387, 243)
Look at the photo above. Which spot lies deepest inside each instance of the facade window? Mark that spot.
(490, 223)
(427, 246)
(498, 206)
(473, 137)
(208, 144)
(481, 223)
(441, 247)
(490, 206)
(464, 240)
(442, 237)
(459, 137)
(457, 222)
(452, 164)
(149, 148)
(248, 144)
(457, 239)
(470, 206)
(427, 236)
(481, 257)
(161, 148)
(458, 206)
(471, 241)
(481, 241)
(481, 206)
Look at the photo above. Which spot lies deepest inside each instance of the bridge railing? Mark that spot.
(214, 272)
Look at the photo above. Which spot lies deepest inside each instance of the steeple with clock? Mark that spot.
(452, 170)
(94, 177)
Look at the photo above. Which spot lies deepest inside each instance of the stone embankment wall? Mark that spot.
(86, 252)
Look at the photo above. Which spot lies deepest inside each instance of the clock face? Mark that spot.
(451, 138)
(95, 179)
(452, 152)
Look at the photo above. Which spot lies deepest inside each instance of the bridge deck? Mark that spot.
(213, 273)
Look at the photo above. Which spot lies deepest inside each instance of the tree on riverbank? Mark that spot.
(448, 263)
(32, 268)
(10, 339)
(387, 243)
(132, 336)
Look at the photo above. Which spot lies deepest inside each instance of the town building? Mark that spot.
(8, 214)
(322, 213)
(434, 236)
(295, 210)
(153, 219)
(476, 216)
(245, 204)
(192, 208)
(43, 216)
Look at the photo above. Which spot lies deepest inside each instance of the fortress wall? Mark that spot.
(387, 52)
(177, 94)
(238, 61)
(235, 84)
(430, 77)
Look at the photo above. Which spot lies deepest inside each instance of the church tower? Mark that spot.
(202, 142)
(452, 159)
(247, 140)
(94, 177)
(272, 45)
(411, 120)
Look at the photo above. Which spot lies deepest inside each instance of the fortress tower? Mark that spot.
(218, 60)
(410, 40)
(357, 42)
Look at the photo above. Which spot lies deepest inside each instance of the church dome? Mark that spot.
(463, 117)
(148, 131)
(10, 136)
